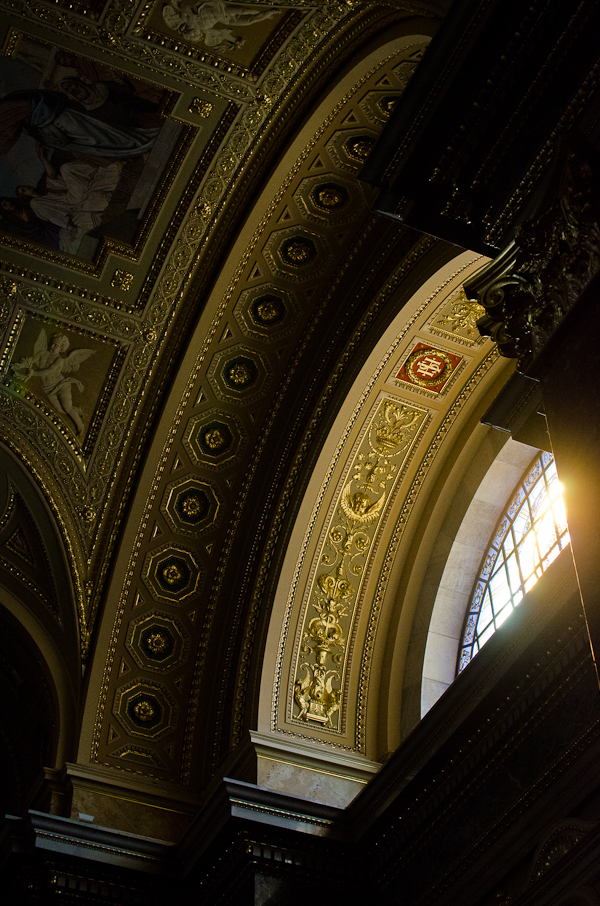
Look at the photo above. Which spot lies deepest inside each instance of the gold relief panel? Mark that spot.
(322, 662)
(457, 320)
(83, 163)
(69, 373)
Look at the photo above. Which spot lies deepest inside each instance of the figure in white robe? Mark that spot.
(197, 23)
(75, 198)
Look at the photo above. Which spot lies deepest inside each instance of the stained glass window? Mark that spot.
(530, 535)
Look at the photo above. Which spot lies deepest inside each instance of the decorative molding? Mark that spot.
(392, 549)
(555, 845)
(322, 661)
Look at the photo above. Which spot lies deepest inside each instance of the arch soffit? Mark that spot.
(37, 592)
(348, 557)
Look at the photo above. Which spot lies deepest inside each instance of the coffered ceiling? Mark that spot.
(191, 280)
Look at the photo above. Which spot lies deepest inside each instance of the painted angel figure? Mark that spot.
(51, 366)
(197, 22)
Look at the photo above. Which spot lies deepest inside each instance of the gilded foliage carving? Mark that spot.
(378, 461)
(457, 319)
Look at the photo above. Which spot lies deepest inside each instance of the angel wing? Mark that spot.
(358, 507)
(75, 358)
(41, 344)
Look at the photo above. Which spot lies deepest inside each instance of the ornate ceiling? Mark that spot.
(192, 283)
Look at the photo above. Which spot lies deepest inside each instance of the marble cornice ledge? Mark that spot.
(54, 834)
(346, 764)
(329, 776)
(106, 780)
(233, 799)
(252, 803)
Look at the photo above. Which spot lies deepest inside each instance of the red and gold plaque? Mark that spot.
(428, 367)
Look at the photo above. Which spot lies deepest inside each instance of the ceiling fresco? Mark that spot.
(187, 255)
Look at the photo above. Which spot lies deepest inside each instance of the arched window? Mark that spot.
(529, 536)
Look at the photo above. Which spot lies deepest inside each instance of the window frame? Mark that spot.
(542, 467)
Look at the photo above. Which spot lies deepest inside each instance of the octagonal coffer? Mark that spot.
(330, 199)
(297, 254)
(349, 148)
(158, 641)
(214, 439)
(145, 708)
(172, 573)
(191, 506)
(239, 375)
(267, 312)
(378, 106)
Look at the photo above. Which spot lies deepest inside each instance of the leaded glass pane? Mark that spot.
(528, 537)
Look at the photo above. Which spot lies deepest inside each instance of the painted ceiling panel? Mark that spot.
(183, 228)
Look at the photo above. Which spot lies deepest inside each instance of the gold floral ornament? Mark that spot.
(268, 310)
(314, 694)
(214, 439)
(156, 642)
(298, 251)
(361, 503)
(144, 711)
(463, 316)
(387, 105)
(192, 505)
(172, 575)
(359, 148)
(122, 280)
(201, 108)
(239, 374)
(329, 198)
(390, 432)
